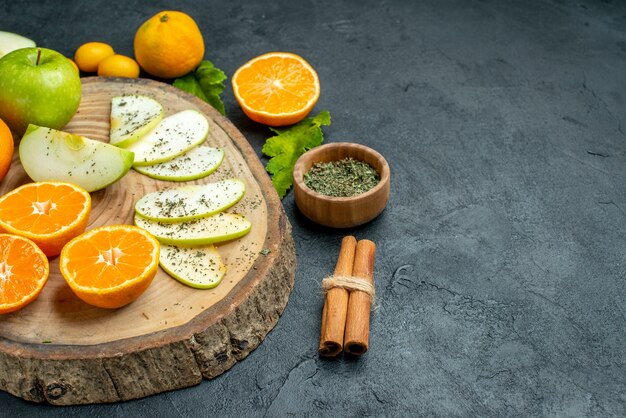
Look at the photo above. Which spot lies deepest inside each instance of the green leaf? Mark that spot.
(288, 145)
(190, 84)
(205, 82)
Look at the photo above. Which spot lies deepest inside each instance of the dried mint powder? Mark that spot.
(342, 178)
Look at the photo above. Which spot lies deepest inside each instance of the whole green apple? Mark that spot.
(38, 86)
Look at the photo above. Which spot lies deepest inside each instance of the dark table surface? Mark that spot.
(500, 268)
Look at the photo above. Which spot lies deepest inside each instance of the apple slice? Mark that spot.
(190, 202)
(198, 267)
(210, 230)
(173, 136)
(48, 154)
(11, 41)
(195, 164)
(132, 117)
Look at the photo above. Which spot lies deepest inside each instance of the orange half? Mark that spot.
(277, 88)
(110, 266)
(24, 271)
(49, 213)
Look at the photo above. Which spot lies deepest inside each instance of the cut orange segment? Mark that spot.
(277, 88)
(24, 271)
(110, 266)
(49, 213)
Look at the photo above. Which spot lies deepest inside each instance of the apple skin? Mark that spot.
(44, 91)
(49, 154)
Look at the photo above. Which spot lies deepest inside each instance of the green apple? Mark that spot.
(198, 267)
(195, 164)
(132, 117)
(48, 154)
(210, 230)
(38, 86)
(173, 136)
(190, 202)
(9, 42)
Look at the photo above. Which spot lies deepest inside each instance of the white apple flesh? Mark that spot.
(195, 164)
(48, 154)
(190, 202)
(132, 117)
(173, 136)
(38, 86)
(210, 230)
(9, 42)
(199, 267)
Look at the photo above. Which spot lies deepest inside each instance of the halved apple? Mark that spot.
(195, 164)
(48, 154)
(190, 202)
(173, 136)
(132, 117)
(198, 267)
(210, 230)
(11, 41)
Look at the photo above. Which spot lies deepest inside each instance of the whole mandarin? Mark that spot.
(88, 56)
(118, 66)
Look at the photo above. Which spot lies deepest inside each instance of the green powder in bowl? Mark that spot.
(342, 178)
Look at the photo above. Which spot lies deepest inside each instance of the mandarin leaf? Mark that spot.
(205, 82)
(288, 145)
(189, 84)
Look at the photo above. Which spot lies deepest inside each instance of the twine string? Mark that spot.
(349, 283)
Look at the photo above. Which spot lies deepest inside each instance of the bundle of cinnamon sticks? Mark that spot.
(349, 293)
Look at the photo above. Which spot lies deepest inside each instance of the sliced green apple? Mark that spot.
(198, 267)
(190, 202)
(11, 41)
(132, 117)
(210, 230)
(48, 154)
(195, 164)
(173, 136)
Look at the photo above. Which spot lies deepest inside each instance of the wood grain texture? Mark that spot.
(173, 335)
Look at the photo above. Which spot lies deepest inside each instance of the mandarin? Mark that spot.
(24, 270)
(74, 64)
(88, 56)
(49, 213)
(169, 44)
(6, 149)
(118, 66)
(110, 266)
(277, 88)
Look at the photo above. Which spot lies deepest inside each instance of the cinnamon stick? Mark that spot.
(336, 303)
(356, 339)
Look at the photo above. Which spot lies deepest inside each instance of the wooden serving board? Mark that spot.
(62, 351)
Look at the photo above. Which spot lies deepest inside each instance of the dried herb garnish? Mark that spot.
(342, 178)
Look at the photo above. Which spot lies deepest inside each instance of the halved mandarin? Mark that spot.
(24, 270)
(110, 266)
(277, 88)
(49, 213)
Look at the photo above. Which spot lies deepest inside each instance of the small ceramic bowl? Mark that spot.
(341, 212)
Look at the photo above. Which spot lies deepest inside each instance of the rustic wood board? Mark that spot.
(63, 351)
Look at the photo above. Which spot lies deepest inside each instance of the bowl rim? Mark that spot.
(385, 172)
